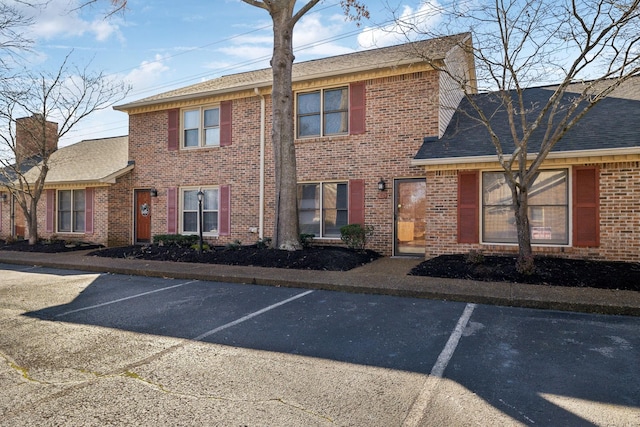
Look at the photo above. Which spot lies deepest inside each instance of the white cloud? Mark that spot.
(63, 18)
(409, 24)
(314, 35)
(148, 73)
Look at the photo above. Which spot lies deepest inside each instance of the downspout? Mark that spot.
(12, 215)
(262, 142)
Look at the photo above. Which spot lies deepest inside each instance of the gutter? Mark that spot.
(531, 156)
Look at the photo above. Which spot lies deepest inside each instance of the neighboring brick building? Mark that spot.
(86, 195)
(360, 119)
(585, 203)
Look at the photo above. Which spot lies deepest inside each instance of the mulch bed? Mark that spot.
(548, 271)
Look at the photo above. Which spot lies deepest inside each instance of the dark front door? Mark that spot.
(410, 212)
(143, 216)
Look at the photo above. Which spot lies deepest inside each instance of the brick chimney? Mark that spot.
(31, 133)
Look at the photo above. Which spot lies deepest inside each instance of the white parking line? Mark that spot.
(250, 316)
(124, 299)
(422, 401)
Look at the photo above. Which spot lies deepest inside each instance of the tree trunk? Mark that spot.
(285, 235)
(31, 217)
(525, 262)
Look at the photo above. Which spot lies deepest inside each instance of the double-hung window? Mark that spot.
(190, 209)
(323, 208)
(322, 112)
(548, 208)
(71, 211)
(201, 127)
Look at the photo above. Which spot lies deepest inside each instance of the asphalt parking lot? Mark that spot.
(94, 349)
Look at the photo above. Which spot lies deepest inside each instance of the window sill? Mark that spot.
(328, 138)
(205, 148)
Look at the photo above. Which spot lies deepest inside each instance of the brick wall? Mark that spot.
(5, 215)
(400, 112)
(619, 217)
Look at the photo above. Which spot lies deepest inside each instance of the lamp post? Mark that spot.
(200, 197)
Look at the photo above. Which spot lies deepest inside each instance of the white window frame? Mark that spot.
(202, 129)
(211, 233)
(538, 242)
(322, 209)
(322, 112)
(73, 211)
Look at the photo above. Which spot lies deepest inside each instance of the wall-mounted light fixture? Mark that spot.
(3, 197)
(382, 185)
(154, 192)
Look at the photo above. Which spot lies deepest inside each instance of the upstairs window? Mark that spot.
(201, 127)
(322, 112)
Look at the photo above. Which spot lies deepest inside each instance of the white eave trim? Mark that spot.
(530, 156)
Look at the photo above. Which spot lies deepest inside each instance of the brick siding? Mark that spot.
(619, 218)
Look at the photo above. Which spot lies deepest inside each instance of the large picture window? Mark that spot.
(201, 127)
(548, 209)
(210, 202)
(323, 112)
(71, 211)
(323, 208)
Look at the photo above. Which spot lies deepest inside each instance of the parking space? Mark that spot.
(385, 331)
(525, 366)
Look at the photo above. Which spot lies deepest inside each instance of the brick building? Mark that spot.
(584, 203)
(85, 190)
(382, 139)
(360, 119)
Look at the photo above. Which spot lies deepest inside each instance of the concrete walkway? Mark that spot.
(383, 276)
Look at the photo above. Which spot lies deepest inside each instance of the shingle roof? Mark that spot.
(10, 173)
(611, 124)
(335, 65)
(89, 161)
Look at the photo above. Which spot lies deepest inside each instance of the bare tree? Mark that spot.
(65, 97)
(586, 48)
(12, 37)
(285, 16)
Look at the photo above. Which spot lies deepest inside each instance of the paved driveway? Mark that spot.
(88, 349)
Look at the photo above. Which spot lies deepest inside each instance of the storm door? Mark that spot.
(410, 197)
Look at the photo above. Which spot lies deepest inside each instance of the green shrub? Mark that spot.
(236, 244)
(185, 240)
(263, 243)
(355, 235)
(306, 239)
(196, 247)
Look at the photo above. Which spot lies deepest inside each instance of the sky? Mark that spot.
(160, 45)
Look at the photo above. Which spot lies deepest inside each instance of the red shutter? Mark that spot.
(357, 108)
(356, 201)
(586, 206)
(88, 210)
(172, 210)
(226, 133)
(224, 214)
(174, 129)
(51, 209)
(468, 207)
